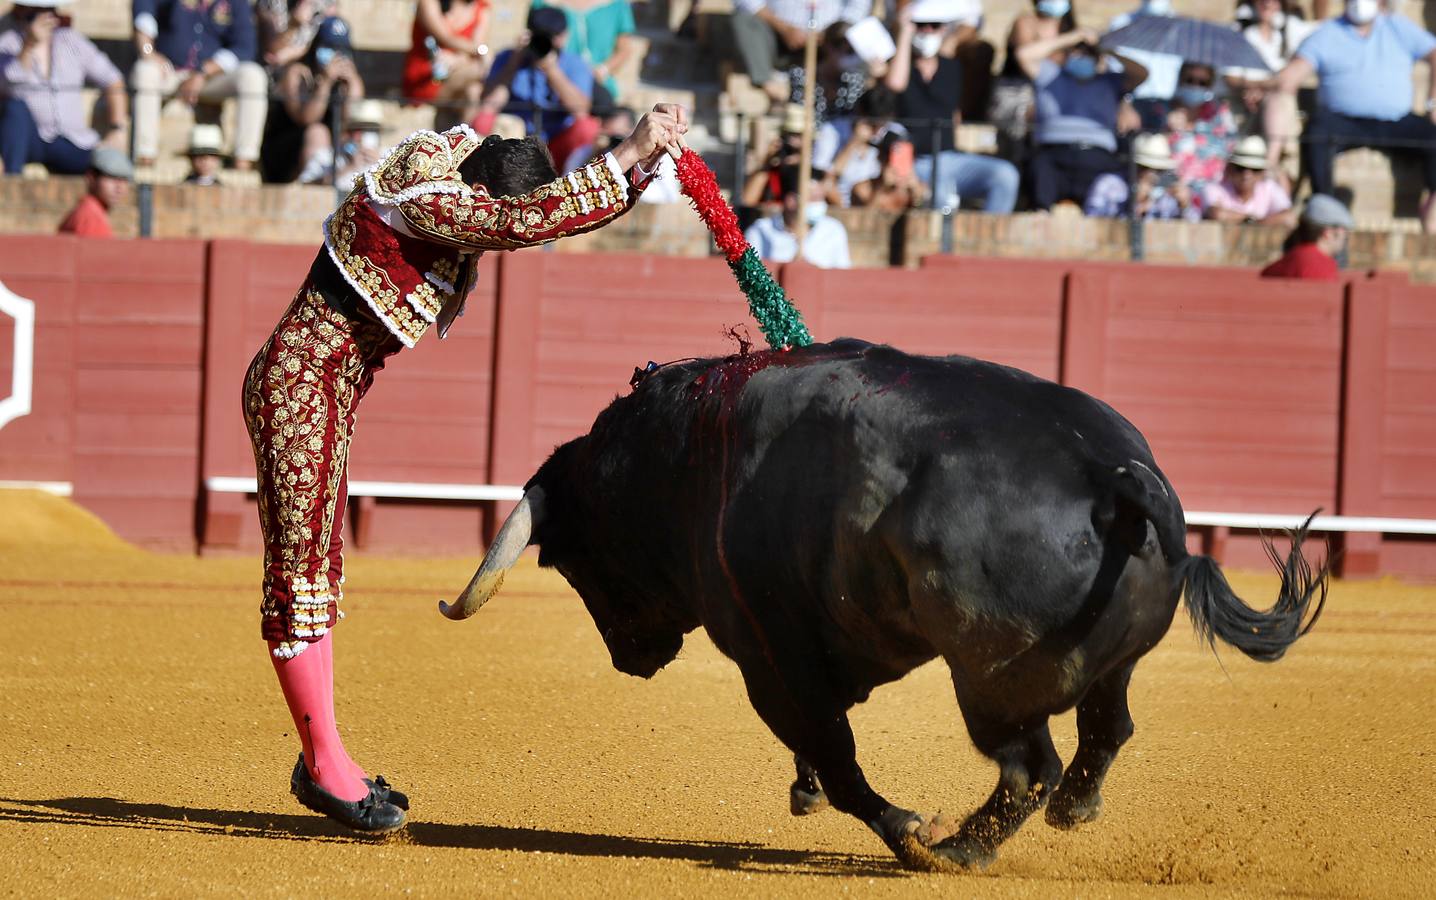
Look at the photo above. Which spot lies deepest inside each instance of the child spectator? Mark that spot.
(1159, 193)
(43, 65)
(205, 154)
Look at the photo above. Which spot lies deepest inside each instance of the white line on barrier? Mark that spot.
(397, 489)
(58, 488)
(1320, 523)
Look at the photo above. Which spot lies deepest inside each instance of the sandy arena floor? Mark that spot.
(145, 750)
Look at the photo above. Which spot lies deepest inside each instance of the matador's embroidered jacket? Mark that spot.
(408, 237)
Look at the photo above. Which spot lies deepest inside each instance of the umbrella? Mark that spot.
(1193, 40)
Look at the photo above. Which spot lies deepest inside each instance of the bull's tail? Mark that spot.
(1215, 609)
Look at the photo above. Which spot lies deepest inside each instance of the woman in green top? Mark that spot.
(601, 31)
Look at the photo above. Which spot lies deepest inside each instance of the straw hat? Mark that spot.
(794, 118)
(365, 114)
(1151, 151)
(1250, 153)
(206, 140)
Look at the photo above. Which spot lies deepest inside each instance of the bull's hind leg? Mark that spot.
(806, 795)
(1103, 726)
(1028, 771)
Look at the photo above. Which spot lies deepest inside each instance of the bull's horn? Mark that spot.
(502, 554)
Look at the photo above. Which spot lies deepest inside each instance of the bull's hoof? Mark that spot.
(967, 854)
(912, 839)
(1067, 812)
(804, 802)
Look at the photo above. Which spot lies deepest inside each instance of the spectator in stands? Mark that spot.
(896, 187)
(768, 32)
(542, 83)
(602, 32)
(845, 149)
(840, 80)
(360, 147)
(1364, 61)
(287, 28)
(779, 166)
(107, 183)
(206, 154)
(1320, 237)
(1076, 116)
(448, 57)
(1276, 31)
(310, 96)
(43, 65)
(775, 239)
(1159, 193)
(1162, 68)
(962, 42)
(200, 52)
(929, 89)
(1200, 128)
(1012, 96)
(1248, 193)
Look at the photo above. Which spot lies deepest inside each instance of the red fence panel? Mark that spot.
(1234, 380)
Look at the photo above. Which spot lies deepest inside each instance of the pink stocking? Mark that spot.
(326, 647)
(308, 684)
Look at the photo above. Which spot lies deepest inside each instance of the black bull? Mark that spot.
(837, 515)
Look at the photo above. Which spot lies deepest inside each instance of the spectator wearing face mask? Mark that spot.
(928, 86)
(309, 96)
(1364, 62)
(1075, 130)
(1276, 30)
(1200, 128)
(1010, 111)
(775, 238)
(1156, 194)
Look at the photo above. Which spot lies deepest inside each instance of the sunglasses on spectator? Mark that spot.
(929, 26)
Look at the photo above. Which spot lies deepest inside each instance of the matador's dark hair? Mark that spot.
(508, 166)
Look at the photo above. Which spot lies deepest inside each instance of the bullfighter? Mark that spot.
(399, 255)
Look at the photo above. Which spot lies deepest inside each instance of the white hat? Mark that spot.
(1250, 153)
(795, 118)
(1151, 151)
(365, 113)
(945, 11)
(44, 4)
(206, 140)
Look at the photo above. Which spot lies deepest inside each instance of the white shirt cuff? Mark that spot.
(618, 173)
(146, 25)
(225, 59)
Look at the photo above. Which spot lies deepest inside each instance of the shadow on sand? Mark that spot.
(108, 812)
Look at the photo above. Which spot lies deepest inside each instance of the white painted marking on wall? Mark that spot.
(22, 369)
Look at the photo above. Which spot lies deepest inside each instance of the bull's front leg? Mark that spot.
(805, 715)
(806, 795)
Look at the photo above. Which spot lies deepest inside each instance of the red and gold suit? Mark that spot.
(399, 255)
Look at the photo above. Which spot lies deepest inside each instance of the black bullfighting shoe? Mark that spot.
(370, 814)
(387, 793)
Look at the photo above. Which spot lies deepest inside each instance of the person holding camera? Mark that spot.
(44, 63)
(545, 85)
(309, 95)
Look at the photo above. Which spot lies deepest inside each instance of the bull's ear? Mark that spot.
(512, 538)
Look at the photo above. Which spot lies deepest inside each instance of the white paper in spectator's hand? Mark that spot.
(871, 41)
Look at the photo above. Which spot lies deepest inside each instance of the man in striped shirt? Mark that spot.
(765, 30)
(44, 64)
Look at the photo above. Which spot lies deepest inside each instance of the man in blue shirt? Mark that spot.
(540, 82)
(200, 50)
(1364, 61)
